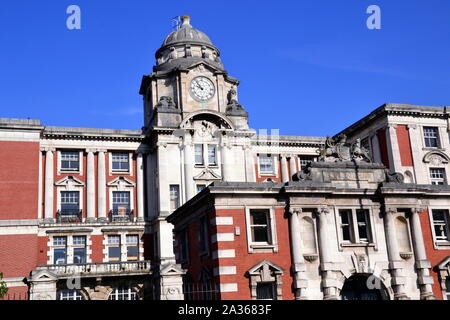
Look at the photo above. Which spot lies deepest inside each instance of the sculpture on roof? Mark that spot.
(338, 149)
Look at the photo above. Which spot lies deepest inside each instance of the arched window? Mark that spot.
(70, 294)
(357, 288)
(123, 293)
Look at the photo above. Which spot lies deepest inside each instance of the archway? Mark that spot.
(356, 288)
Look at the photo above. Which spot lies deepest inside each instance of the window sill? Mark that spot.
(433, 149)
(263, 248)
(69, 171)
(442, 244)
(120, 172)
(361, 244)
(267, 175)
(199, 166)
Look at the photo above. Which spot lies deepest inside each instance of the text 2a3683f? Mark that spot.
(241, 309)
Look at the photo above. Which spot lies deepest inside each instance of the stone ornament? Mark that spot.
(337, 150)
(233, 106)
(166, 103)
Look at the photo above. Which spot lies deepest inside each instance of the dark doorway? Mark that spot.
(355, 288)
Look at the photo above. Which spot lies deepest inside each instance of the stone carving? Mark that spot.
(188, 51)
(233, 106)
(205, 53)
(173, 53)
(395, 177)
(337, 149)
(165, 103)
(216, 57)
(303, 175)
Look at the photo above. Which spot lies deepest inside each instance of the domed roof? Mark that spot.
(186, 34)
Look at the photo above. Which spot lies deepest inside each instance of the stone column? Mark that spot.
(422, 264)
(329, 281)
(90, 186)
(298, 262)
(284, 169)
(140, 186)
(48, 192)
(226, 161)
(292, 165)
(392, 148)
(395, 264)
(101, 186)
(188, 167)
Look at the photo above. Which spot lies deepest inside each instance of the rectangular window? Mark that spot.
(259, 226)
(437, 176)
(203, 235)
(200, 187)
(79, 250)
(114, 247)
(355, 226)
(132, 247)
(70, 160)
(199, 154)
(362, 219)
(121, 203)
(60, 250)
(59, 241)
(441, 225)
(265, 291)
(70, 203)
(305, 160)
(431, 136)
(346, 225)
(266, 165)
(212, 155)
(120, 162)
(174, 197)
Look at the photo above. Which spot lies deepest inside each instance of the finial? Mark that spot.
(186, 20)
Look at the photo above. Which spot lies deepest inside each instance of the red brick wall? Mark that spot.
(18, 254)
(42, 257)
(19, 172)
(433, 255)
(245, 260)
(404, 145)
(97, 247)
(16, 293)
(381, 134)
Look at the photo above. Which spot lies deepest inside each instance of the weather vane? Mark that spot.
(176, 22)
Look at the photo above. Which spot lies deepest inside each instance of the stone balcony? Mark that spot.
(103, 269)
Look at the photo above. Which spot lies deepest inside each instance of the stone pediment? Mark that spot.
(70, 182)
(172, 270)
(201, 66)
(265, 267)
(43, 275)
(121, 183)
(436, 158)
(444, 264)
(207, 174)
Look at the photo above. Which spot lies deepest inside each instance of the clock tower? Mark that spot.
(197, 131)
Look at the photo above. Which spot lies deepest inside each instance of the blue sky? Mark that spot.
(306, 67)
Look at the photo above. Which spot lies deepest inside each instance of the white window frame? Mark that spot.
(77, 245)
(170, 197)
(439, 144)
(130, 162)
(59, 162)
(134, 244)
(124, 291)
(439, 245)
(255, 247)
(274, 158)
(354, 233)
(444, 179)
(69, 247)
(203, 163)
(70, 294)
(216, 153)
(110, 244)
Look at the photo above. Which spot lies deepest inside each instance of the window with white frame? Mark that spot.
(355, 226)
(114, 252)
(121, 203)
(70, 160)
(60, 250)
(198, 149)
(212, 155)
(203, 235)
(441, 225)
(123, 293)
(174, 196)
(70, 294)
(79, 249)
(70, 203)
(431, 137)
(266, 165)
(266, 291)
(260, 230)
(132, 247)
(437, 176)
(120, 161)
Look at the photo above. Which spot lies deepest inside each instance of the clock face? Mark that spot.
(202, 89)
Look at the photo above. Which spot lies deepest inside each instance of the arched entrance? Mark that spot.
(356, 288)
